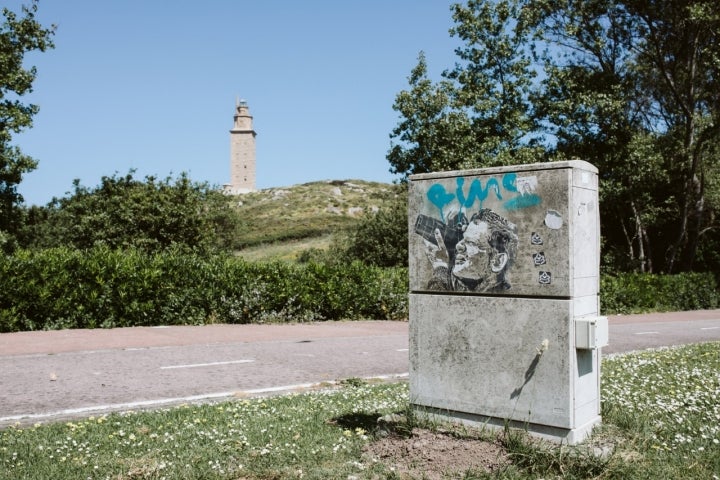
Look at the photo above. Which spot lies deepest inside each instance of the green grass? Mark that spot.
(284, 251)
(282, 437)
(661, 414)
(285, 215)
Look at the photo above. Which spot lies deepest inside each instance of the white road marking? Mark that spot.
(211, 364)
(114, 406)
(645, 333)
(709, 328)
(402, 350)
(178, 400)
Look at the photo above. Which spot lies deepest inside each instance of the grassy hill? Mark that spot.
(280, 223)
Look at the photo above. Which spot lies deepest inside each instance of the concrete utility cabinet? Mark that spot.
(504, 281)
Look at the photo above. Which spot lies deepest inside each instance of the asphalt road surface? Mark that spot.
(47, 376)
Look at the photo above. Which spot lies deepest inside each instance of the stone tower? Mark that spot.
(242, 151)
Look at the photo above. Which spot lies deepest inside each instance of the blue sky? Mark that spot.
(151, 85)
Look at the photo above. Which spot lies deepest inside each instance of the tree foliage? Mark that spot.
(478, 115)
(150, 215)
(430, 135)
(380, 238)
(19, 34)
(631, 86)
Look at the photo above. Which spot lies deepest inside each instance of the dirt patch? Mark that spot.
(436, 454)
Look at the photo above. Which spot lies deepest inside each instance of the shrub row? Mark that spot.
(637, 292)
(68, 288)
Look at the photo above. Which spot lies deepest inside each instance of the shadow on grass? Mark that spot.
(352, 421)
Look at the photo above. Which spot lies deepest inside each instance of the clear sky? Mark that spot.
(151, 85)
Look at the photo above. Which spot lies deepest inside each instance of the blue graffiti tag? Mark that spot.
(476, 191)
(509, 182)
(439, 197)
(523, 201)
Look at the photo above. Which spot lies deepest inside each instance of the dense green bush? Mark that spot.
(381, 238)
(100, 287)
(637, 292)
(151, 215)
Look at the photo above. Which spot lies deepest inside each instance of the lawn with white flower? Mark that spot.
(661, 414)
(668, 401)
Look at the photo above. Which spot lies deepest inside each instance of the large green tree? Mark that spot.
(634, 88)
(629, 85)
(479, 114)
(19, 34)
(431, 135)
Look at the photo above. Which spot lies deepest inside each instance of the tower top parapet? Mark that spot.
(243, 121)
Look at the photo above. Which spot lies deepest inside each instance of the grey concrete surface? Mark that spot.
(547, 212)
(512, 362)
(502, 263)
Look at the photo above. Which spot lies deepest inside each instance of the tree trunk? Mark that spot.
(628, 240)
(639, 234)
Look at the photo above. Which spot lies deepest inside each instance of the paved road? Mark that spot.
(53, 375)
(639, 332)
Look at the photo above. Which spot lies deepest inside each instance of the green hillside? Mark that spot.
(279, 223)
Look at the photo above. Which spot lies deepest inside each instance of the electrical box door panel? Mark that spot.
(501, 357)
(502, 231)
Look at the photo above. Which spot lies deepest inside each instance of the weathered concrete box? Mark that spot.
(503, 262)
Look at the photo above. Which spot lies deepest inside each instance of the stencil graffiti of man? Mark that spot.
(480, 260)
